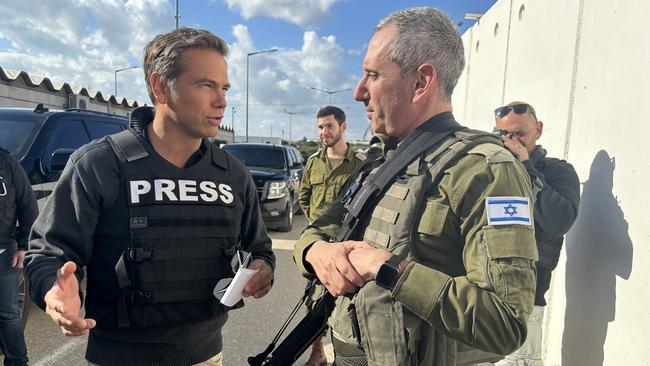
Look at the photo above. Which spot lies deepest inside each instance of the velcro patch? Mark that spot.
(507, 210)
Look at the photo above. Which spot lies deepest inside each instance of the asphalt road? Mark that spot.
(248, 331)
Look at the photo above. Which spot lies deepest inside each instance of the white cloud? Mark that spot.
(282, 80)
(306, 13)
(82, 42)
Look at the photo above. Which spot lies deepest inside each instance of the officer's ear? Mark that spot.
(425, 82)
(158, 87)
(343, 126)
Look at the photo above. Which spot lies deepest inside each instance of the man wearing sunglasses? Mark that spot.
(557, 195)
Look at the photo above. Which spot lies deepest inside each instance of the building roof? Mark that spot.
(55, 86)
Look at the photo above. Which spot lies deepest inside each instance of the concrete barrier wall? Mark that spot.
(585, 66)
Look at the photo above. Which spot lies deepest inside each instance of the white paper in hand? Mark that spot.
(234, 291)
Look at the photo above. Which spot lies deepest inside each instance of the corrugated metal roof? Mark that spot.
(55, 86)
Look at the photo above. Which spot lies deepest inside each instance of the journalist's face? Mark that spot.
(198, 100)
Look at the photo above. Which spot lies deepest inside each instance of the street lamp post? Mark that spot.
(330, 92)
(290, 120)
(120, 70)
(248, 55)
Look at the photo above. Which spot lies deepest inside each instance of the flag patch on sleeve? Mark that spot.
(507, 210)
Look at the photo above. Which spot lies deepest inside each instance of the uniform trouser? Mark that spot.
(12, 338)
(216, 360)
(530, 353)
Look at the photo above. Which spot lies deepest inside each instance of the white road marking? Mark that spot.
(283, 244)
(61, 353)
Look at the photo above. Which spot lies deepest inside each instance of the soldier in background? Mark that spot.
(326, 172)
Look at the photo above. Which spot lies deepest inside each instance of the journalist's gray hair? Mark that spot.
(163, 53)
(427, 35)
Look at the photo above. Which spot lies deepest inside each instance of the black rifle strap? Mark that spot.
(416, 144)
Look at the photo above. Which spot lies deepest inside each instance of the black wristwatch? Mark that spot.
(388, 273)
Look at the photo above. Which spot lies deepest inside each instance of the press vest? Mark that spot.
(388, 333)
(183, 226)
(7, 203)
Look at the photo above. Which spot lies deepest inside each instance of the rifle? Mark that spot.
(357, 201)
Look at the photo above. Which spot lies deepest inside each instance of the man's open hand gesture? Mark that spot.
(63, 305)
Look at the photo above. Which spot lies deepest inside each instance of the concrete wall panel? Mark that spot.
(585, 65)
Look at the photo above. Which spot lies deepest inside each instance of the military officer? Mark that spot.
(440, 258)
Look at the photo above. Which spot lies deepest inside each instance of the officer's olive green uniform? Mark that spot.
(321, 184)
(467, 280)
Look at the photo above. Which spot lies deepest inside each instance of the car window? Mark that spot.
(67, 135)
(262, 157)
(99, 129)
(15, 134)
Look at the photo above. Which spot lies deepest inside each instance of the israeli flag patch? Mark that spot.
(507, 210)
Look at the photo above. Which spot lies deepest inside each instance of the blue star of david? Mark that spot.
(510, 210)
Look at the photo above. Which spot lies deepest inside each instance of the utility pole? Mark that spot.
(177, 16)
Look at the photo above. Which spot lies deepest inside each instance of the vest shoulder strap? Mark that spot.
(127, 147)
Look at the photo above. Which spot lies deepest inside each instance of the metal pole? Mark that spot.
(290, 115)
(232, 118)
(330, 92)
(115, 76)
(177, 16)
(247, 56)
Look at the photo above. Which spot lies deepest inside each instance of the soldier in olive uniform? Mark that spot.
(441, 258)
(328, 169)
(325, 174)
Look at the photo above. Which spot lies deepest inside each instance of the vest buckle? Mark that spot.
(139, 254)
(140, 297)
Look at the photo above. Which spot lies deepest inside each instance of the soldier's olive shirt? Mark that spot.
(472, 281)
(321, 183)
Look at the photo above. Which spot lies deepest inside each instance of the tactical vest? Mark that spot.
(7, 203)
(388, 333)
(183, 226)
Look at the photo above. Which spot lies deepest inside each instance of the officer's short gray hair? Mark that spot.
(427, 35)
(163, 53)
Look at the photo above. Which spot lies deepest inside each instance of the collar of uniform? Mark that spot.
(441, 122)
(349, 154)
(141, 117)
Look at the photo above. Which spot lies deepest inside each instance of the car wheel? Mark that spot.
(287, 222)
(24, 301)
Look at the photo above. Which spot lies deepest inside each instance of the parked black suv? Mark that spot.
(42, 141)
(276, 171)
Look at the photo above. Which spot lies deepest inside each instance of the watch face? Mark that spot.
(387, 276)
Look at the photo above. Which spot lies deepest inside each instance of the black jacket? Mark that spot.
(556, 208)
(88, 203)
(17, 204)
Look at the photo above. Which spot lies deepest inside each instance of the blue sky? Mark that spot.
(321, 44)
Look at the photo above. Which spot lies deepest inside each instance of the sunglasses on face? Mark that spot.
(520, 108)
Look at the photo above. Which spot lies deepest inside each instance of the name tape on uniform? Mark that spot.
(508, 210)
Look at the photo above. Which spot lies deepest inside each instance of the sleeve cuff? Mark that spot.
(409, 289)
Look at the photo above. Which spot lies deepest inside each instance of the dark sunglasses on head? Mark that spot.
(520, 108)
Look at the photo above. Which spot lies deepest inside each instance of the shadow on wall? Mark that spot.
(598, 249)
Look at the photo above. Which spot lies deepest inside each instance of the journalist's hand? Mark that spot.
(260, 284)
(63, 305)
(333, 268)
